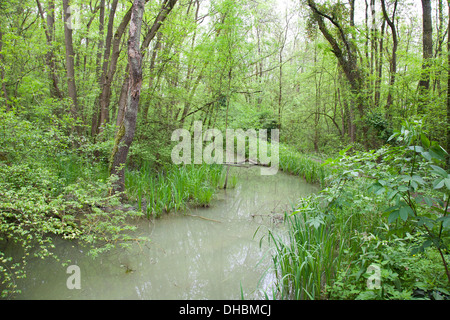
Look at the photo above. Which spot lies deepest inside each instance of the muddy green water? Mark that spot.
(188, 257)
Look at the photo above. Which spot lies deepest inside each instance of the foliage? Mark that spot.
(386, 208)
(233, 64)
(403, 275)
(49, 190)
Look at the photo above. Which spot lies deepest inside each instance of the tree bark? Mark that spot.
(70, 65)
(101, 22)
(379, 66)
(427, 45)
(2, 74)
(151, 78)
(107, 74)
(448, 91)
(125, 135)
(393, 65)
(50, 57)
(440, 40)
(151, 33)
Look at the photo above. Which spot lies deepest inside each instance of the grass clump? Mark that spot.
(294, 162)
(174, 188)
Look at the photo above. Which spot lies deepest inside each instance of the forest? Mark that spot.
(92, 90)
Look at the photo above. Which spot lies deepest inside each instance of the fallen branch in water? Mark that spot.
(201, 217)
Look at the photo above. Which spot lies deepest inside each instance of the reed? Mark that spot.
(306, 258)
(294, 162)
(173, 188)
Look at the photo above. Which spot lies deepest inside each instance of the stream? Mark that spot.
(206, 253)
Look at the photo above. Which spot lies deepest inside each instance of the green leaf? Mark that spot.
(418, 179)
(427, 243)
(416, 148)
(404, 212)
(392, 194)
(428, 201)
(439, 171)
(445, 221)
(344, 151)
(437, 152)
(425, 221)
(396, 134)
(438, 183)
(315, 222)
(425, 140)
(447, 183)
(426, 155)
(405, 178)
(390, 209)
(376, 187)
(393, 216)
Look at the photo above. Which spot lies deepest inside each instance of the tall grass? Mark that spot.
(306, 259)
(308, 256)
(174, 188)
(294, 162)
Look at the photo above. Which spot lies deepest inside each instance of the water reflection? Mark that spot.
(188, 257)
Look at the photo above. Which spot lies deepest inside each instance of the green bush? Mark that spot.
(48, 189)
(387, 209)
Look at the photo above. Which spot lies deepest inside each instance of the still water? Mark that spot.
(206, 253)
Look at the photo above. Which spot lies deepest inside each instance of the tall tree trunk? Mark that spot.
(107, 74)
(151, 33)
(125, 135)
(393, 65)
(151, 78)
(448, 91)
(440, 41)
(2, 74)
(101, 22)
(280, 88)
(49, 24)
(427, 45)
(347, 56)
(379, 66)
(70, 65)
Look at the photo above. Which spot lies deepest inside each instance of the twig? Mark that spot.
(201, 217)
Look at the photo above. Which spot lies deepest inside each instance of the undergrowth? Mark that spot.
(378, 230)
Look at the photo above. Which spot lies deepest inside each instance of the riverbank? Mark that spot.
(378, 230)
(187, 257)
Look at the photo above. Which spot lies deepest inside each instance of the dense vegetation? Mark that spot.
(384, 210)
(91, 91)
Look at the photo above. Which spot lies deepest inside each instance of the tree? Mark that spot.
(109, 66)
(70, 62)
(346, 52)
(2, 74)
(427, 54)
(49, 25)
(125, 135)
(448, 90)
(150, 35)
(393, 64)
